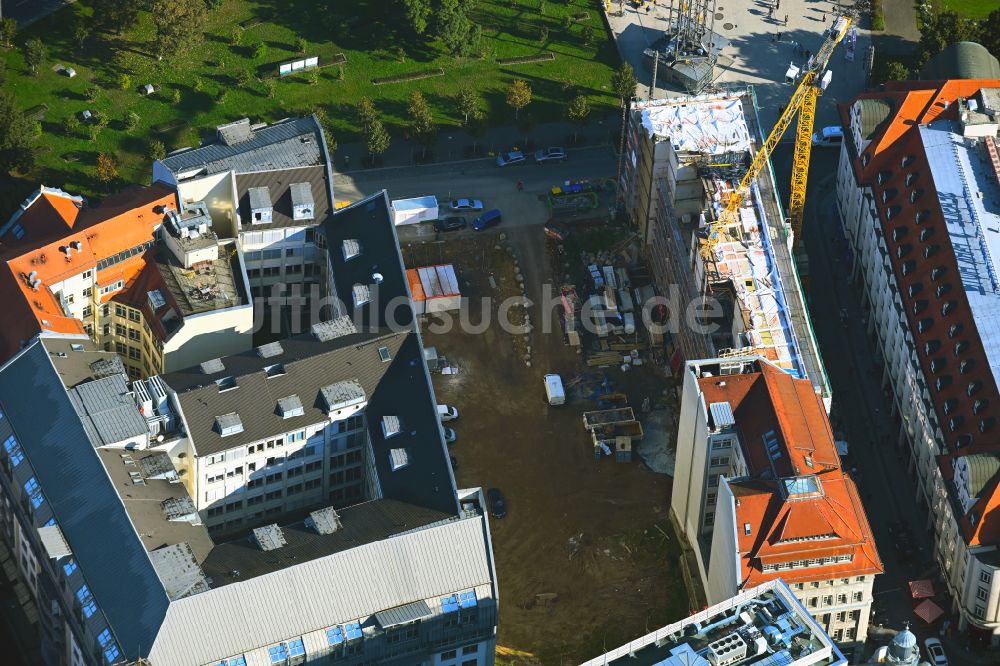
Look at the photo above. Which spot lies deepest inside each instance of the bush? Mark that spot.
(157, 151)
(313, 77)
(587, 36)
(269, 86)
(340, 73)
(175, 96)
(221, 97)
(92, 92)
(260, 51)
(301, 45)
(131, 121)
(213, 4)
(124, 81)
(543, 34)
(236, 37)
(878, 17)
(198, 85)
(71, 125)
(244, 78)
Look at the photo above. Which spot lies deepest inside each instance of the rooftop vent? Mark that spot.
(352, 248)
(324, 521)
(269, 537)
(156, 299)
(228, 424)
(325, 331)
(361, 294)
(290, 406)
(342, 395)
(270, 349)
(391, 426)
(727, 650)
(261, 209)
(303, 207)
(398, 459)
(213, 366)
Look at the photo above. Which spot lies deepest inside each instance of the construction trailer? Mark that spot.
(411, 211)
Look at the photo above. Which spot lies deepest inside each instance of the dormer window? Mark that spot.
(961, 346)
(883, 176)
(987, 423)
(979, 405)
(954, 330)
(907, 161)
(937, 272)
(910, 177)
(943, 289)
(931, 250)
(922, 216)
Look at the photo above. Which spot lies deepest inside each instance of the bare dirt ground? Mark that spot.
(586, 557)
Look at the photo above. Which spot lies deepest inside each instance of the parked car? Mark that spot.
(451, 223)
(829, 137)
(498, 505)
(466, 204)
(447, 413)
(935, 652)
(550, 155)
(556, 231)
(508, 159)
(449, 435)
(490, 218)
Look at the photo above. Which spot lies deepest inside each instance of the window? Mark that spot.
(858, 596)
(813, 602)
(718, 461)
(108, 645)
(709, 517)
(34, 492)
(842, 616)
(69, 567)
(234, 661)
(859, 579)
(470, 662)
(88, 311)
(713, 480)
(980, 612)
(838, 635)
(335, 636)
(841, 598)
(86, 601)
(278, 653)
(710, 499)
(450, 654)
(982, 594)
(985, 577)
(470, 649)
(828, 600)
(352, 631)
(296, 649)
(851, 633)
(14, 451)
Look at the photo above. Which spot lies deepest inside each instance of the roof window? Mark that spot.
(922, 216)
(398, 459)
(938, 364)
(228, 424)
(979, 405)
(361, 294)
(747, 529)
(270, 349)
(290, 406)
(954, 330)
(892, 211)
(943, 289)
(352, 248)
(949, 406)
(961, 346)
(987, 423)
(883, 176)
(275, 370)
(926, 233)
(931, 346)
(966, 365)
(931, 250)
(961, 442)
(916, 194)
(937, 272)
(973, 388)
(889, 194)
(910, 177)
(383, 353)
(903, 250)
(919, 306)
(899, 232)
(948, 307)
(925, 324)
(391, 426)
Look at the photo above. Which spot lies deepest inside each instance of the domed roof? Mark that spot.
(905, 639)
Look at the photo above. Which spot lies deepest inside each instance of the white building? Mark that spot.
(916, 188)
(759, 493)
(763, 625)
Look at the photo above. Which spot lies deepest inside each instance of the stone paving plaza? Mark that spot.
(754, 55)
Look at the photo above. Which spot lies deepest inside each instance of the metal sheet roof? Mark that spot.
(287, 145)
(403, 614)
(313, 595)
(83, 500)
(107, 410)
(311, 183)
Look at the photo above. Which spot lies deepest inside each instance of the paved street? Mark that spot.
(754, 55)
(478, 179)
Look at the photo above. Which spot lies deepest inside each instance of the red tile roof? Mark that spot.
(790, 524)
(119, 224)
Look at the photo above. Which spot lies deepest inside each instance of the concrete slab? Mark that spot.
(756, 55)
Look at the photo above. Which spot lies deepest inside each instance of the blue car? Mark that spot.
(490, 218)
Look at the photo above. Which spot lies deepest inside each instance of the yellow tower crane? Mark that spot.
(802, 103)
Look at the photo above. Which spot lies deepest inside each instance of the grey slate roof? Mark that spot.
(107, 411)
(961, 60)
(286, 145)
(79, 495)
(310, 365)
(360, 524)
(279, 184)
(874, 112)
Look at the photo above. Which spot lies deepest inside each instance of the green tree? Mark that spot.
(421, 121)
(236, 36)
(301, 44)
(578, 112)
(260, 51)
(454, 28)
(324, 121)
(34, 54)
(376, 138)
(518, 96)
(107, 170)
(269, 86)
(941, 29)
(587, 36)
(313, 77)
(131, 121)
(543, 34)
(418, 14)
(178, 25)
(81, 33)
(366, 112)
(70, 125)
(124, 81)
(157, 151)
(8, 28)
(469, 103)
(476, 128)
(175, 96)
(116, 15)
(896, 71)
(623, 82)
(213, 4)
(989, 32)
(244, 78)
(96, 126)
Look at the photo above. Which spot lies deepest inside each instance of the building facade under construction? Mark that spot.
(683, 158)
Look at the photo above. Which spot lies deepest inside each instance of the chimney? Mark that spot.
(77, 245)
(36, 284)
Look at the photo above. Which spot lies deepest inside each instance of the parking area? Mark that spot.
(586, 556)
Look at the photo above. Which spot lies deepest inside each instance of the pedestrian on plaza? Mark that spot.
(777, 4)
(770, 12)
(786, 20)
(779, 35)
(520, 185)
(347, 161)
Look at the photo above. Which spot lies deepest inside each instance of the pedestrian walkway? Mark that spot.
(455, 144)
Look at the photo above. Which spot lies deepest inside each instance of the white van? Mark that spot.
(554, 390)
(829, 137)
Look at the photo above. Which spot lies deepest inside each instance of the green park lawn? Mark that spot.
(974, 9)
(365, 31)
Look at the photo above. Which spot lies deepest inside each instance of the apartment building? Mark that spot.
(112, 503)
(270, 187)
(760, 494)
(764, 624)
(684, 157)
(118, 273)
(917, 190)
